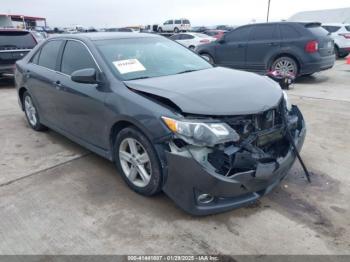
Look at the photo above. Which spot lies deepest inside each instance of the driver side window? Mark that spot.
(238, 35)
(76, 57)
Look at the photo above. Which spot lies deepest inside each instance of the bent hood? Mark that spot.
(214, 91)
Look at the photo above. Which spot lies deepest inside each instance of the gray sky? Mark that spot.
(103, 13)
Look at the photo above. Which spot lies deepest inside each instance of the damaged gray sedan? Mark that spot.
(211, 138)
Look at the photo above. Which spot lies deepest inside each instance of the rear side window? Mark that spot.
(265, 32)
(35, 58)
(186, 22)
(289, 32)
(240, 34)
(16, 39)
(331, 29)
(76, 57)
(178, 22)
(317, 30)
(186, 37)
(49, 53)
(347, 28)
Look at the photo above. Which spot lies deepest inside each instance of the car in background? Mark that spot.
(224, 27)
(122, 29)
(175, 25)
(199, 29)
(285, 47)
(341, 36)
(217, 34)
(39, 36)
(14, 45)
(192, 40)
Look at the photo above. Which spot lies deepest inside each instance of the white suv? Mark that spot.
(341, 35)
(175, 25)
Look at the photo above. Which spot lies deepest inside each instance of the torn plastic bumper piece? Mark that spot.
(188, 181)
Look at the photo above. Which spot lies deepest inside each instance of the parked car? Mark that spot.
(198, 29)
(217, 34)
(341, 36)
(175, 25)
(39, 36)
(14, 45)
(293, 48)
(211, 138)
(192, 40)
(224, 27)
(123, 29)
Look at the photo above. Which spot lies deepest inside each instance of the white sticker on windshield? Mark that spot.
(129, 66)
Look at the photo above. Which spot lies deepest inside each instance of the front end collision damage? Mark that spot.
(207, 180)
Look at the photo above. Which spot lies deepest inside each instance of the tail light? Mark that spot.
(203, 41)
(347, 36)
(311, 47)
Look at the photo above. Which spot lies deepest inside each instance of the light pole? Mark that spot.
(268, 11)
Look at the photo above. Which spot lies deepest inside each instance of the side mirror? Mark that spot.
(85, 76)
(222, 40)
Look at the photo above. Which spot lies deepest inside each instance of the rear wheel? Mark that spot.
(285, 65)
(208, 57)
(138, 162)
(31, 113)
(176, 30)
(160, 29)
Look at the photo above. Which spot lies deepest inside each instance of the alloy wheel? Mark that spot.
(285, 66)
(135, 162)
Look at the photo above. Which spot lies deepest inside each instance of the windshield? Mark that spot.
(135, 58)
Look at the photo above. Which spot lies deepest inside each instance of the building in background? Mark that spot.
(341, 15)
(22, 21)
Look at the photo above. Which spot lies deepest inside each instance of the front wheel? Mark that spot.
(137, 162)
(176, 30)
(285, 65)
(31, 113)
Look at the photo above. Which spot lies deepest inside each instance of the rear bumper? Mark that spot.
(320, 64)
(344, 50)
(187, 179)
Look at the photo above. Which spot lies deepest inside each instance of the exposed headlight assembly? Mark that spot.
(200, 133)
(288, 104)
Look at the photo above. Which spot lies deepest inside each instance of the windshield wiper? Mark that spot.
(186, 71)
(141, 77)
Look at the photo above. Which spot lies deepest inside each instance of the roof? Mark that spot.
(23, 17)
(105, 36)
(340, 15)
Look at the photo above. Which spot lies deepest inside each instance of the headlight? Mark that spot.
(285, 97)
(200, 133)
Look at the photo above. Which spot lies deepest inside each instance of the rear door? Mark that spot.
(264, 42)
(14, 45)
(232, 50)
(40, 76)
(81, 106)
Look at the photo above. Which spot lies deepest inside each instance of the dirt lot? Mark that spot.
(58, 198)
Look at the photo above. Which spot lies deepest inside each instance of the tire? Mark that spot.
(208, 57)
(142, 173)
(336, 52)
(31, 113)
(160, 30)
(176, 30)
(285, 64)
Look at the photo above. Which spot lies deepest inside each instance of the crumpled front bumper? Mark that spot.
(187, 179)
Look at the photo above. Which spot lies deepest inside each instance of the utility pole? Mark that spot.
(268, 11)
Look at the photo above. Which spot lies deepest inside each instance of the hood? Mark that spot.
(214, 91)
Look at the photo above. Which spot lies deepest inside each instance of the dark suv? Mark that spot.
(296, 48)
(14, 45)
